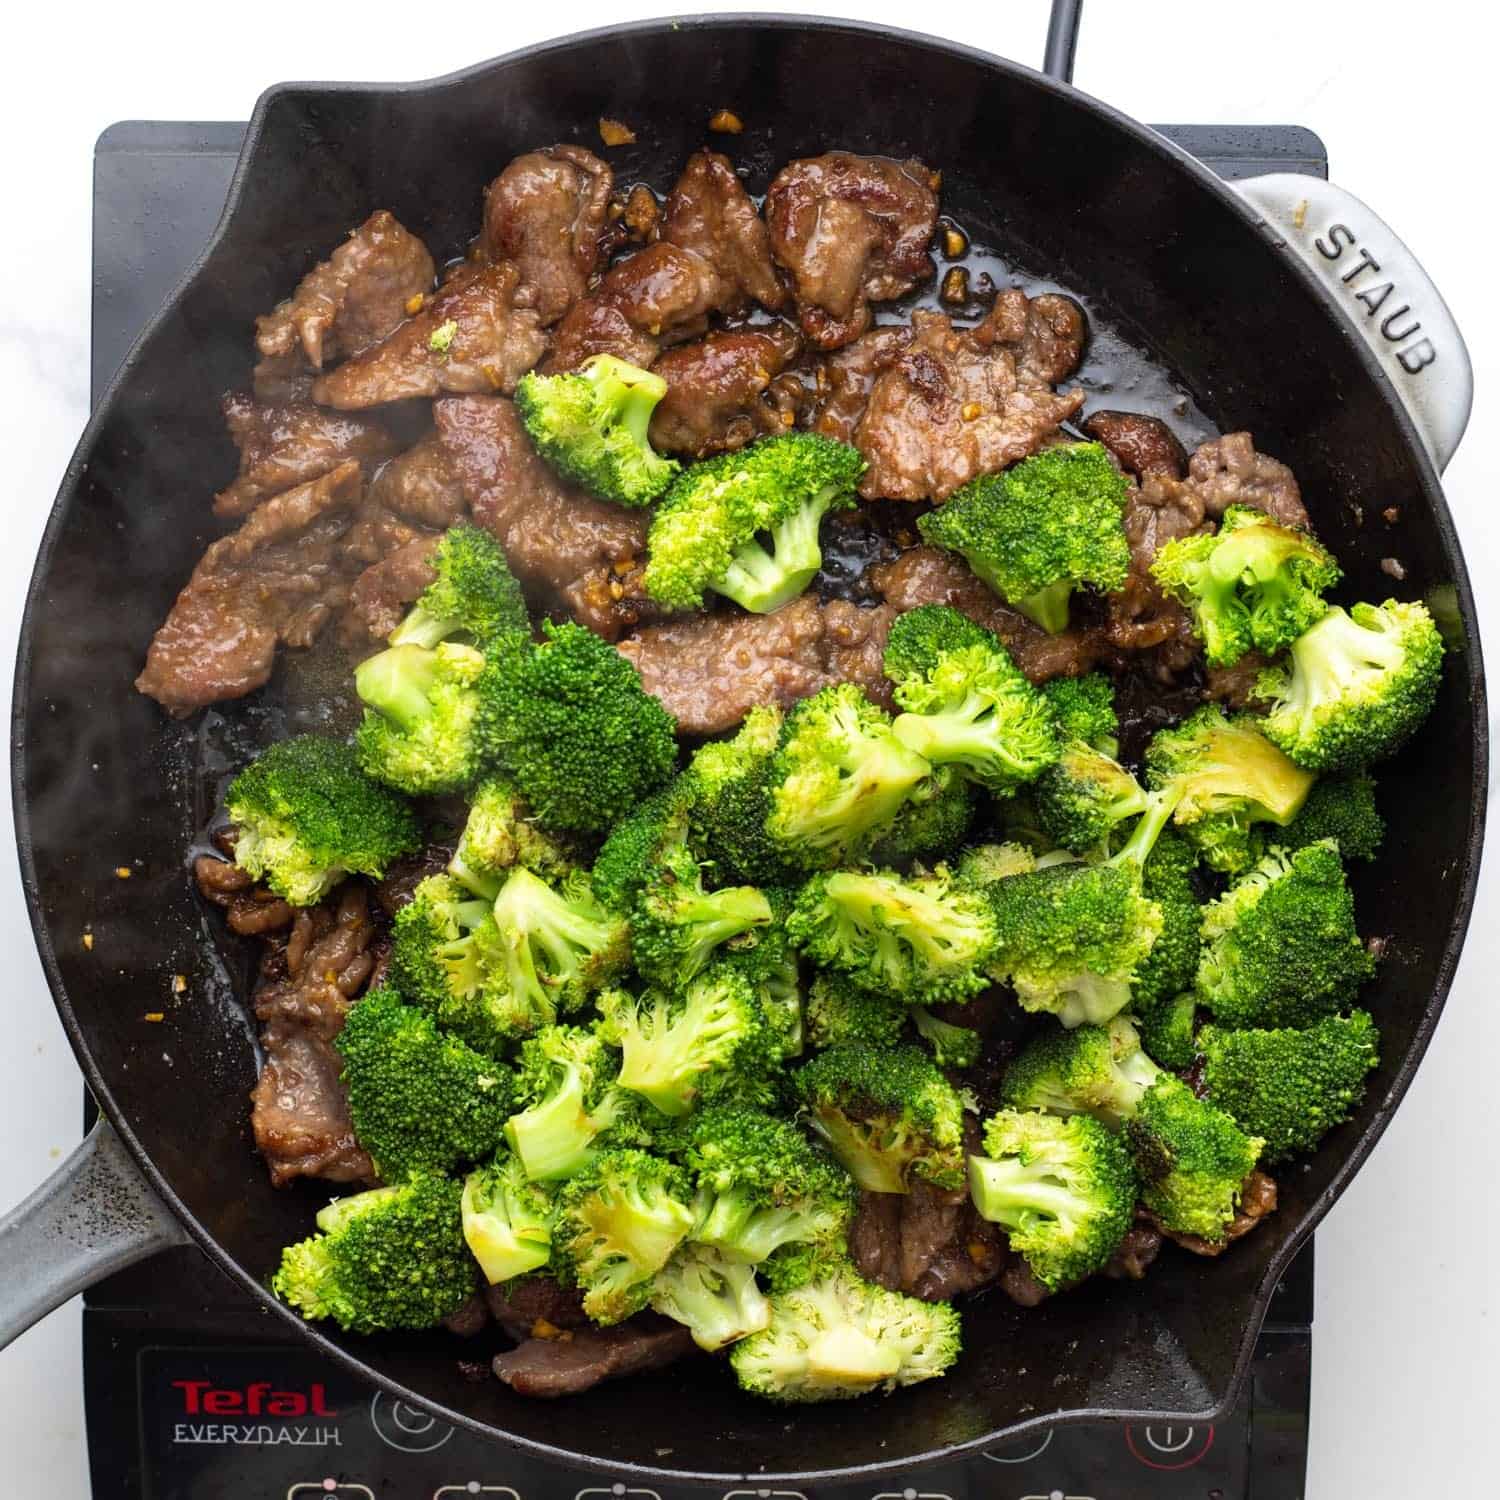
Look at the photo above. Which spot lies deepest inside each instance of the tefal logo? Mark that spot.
(202, 1398)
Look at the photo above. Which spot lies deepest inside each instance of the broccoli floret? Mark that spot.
(591, 424)
(838, 779)
(1280, 947)
(710, 1043)
(745, 524)
(1357, 688)
(639, 842)
(840, 1336)
(507, 1220)
(840, 1011)
(1169, 968)
(966, 702)
(570, 1103)
(1084, 797)
(473, 597)
(766, 958)
(1084, 708)
(616, 1224)
(952, 1046)
(1292, 1087)
(1167, 1028)
(499, 834)
(676, 925)
(731, 802)
(1071, 937)
(440, 915)
(1252, 585)
(1093, 1070)
(1051, 524)
(582, 739)
(1064, 1191)
(921, 937)
(1225, 776)
(1341, 808)
(933, 822)
(418, 1100)
(393, 1257)
(307, 816)
(886, 1114)
(1192, 1159)
(983, 864)
(717, 1298)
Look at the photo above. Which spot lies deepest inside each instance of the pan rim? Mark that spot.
(1468, 858)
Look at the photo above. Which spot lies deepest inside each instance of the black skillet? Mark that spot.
(1068, 188)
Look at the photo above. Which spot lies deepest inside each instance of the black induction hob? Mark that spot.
(192, 1394)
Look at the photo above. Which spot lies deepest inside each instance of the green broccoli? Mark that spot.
(571, 1103)
(1052, 524)
(841, 1336)
(306, 816)
(952, 1046)
(840, 1011)
(1192, 1159)
(838, 779)
(1292, 1087)
(983, 864)
(711, 1043)
(473, 598)
(500, 834)
(676, 926)
(639, 842)
(1161, 996)
(765, 956)
(1224, 776)
(393, 1257)
(966, 702)
(1084, 797)
(1063, 1190)
(591, 425)
(1093, 1070)
(507, 1220)
(1358, 686)
(933, 822)
(615, 1225)
(1341, 808)
(729, 801)
(1167, 1028)
(1252, 586)
(717, 1298)
(1280, 946)
(582, 740)
(418, 1100)
(745, 524)
(921, 937)
(1084, 709)
(887, 1115)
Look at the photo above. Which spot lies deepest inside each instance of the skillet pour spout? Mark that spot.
(1065, 185)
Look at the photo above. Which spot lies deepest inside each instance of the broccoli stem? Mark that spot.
(1018, 1196)
(554, 1139)
(487, 887)
(1149, 826)
(398, 683)
(762, 581)
(630, 393)
(1048, 607)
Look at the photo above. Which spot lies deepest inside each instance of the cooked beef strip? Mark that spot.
(1046, 333)
(405, 874)
(534, 1306)
(851, 230)
(353, 299)
(1141, 617)
(300, 1115)
(421, 486)
(952, 405)
(1141, 445)
(567, 548)
(278, 578)
(545, 212)
(710, 214)
(470, 1320)
(717, 390)
(284, 379)
(494, 343)
(1228, 471)
(284, 445)
(847, 376)
(546, 1368)
(250, 909)
(1017, 1282)
(381, 595)
(1257, 1199)
(1134, 1255)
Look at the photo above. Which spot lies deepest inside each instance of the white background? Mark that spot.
(1403, 94)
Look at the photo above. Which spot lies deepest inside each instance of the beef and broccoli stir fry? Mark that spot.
(683, 955)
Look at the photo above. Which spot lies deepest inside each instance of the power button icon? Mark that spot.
(1169, 1445)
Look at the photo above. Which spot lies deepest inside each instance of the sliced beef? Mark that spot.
(1141, 617)
(1257, 1199)
(352, 300)
(277, 579)
(300, 1114)
(710, 214)
(470, 336)
(284, 379)
(846, 378)
(548, 1368)
(1234, 686)
(569, 550)
(284, 445)
(1134, 1254)
(250, 909)
(546, 212)
(1017, 1282)
(421, 486)
(1046, 334)
(718, 390)
(470, 1320)
(928, 575)
(1141, 445)
(381, 595)
(407, 873)
(953, 404)
(1228, 471)
(536, 1307)
(851, 230)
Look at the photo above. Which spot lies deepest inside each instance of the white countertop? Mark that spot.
(1405, 1346)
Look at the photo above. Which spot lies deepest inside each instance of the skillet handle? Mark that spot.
(1389, 299)
(94, 1216)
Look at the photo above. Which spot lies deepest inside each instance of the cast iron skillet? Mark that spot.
(102, 778)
